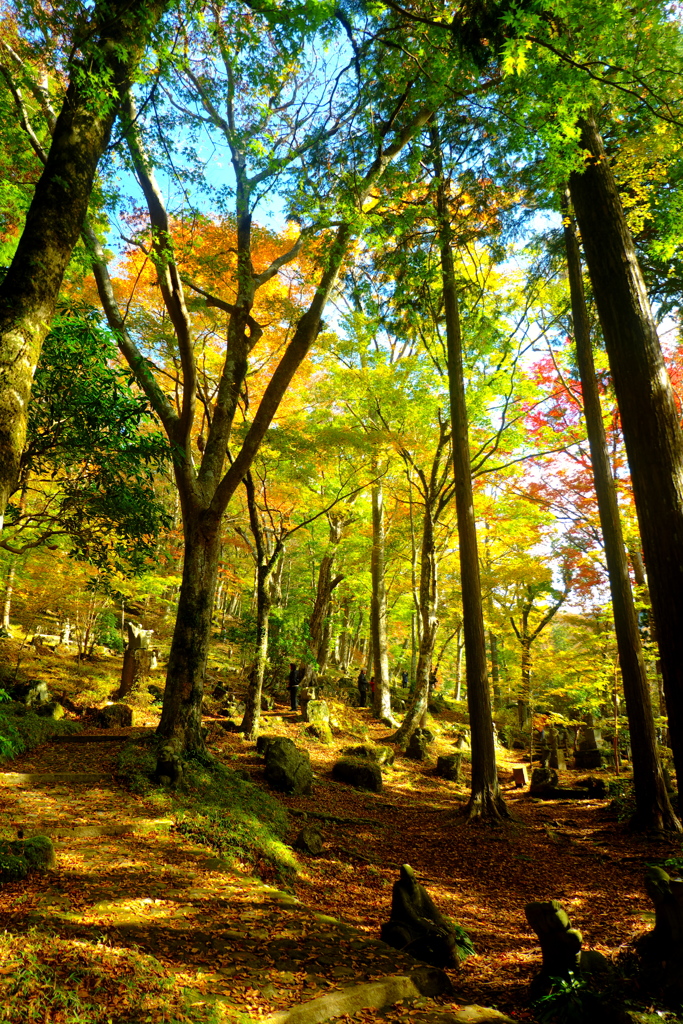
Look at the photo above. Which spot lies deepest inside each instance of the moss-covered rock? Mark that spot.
(19, 857)
(358, 772)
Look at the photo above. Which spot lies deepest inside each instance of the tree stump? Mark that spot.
(137, 660)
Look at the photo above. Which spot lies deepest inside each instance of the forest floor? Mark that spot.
(126, 878)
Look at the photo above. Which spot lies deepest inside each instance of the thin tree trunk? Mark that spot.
(485, 800)
(9, 590)
(378, 614)
(458, 670)
(319, 621)
(653, 808)
(652, 432)
(430, 623)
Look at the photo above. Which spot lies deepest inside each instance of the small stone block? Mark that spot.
(520, 776)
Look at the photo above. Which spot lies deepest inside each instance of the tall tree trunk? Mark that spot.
(485, 800)
(9, 590)
(652, 432)
(252, 708)
(430, 623)
(117, 34)
(181, 716)
(319, 621)
(378, 612)
(653, 808)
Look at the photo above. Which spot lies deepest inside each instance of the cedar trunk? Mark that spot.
(485, 798)
(653, 808)
(378, 608)
(652, 432)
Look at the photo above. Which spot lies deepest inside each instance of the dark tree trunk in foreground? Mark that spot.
(485, 799)
(378, 609)
(652, 432)
(181, 716)
(28, 295)
(653, 808)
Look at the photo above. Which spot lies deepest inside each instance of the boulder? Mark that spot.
(309, 841)
(288, 769)
(418, 745)
(418, 928)
(318, 717)
(359, 772)
(115, 716)
(448, 766)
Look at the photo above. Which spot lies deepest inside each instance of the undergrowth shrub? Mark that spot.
(75, 981)
(219, 807)
(21, 729)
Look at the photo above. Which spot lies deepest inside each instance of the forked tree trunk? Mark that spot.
(378, 618)
(181, 716)
(319, 621)
(652, 431)
(653, 808)
(485, 800)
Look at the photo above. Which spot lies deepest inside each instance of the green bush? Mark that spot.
(570, 1001)
(21, 729)
(108, 632)
(219, 807)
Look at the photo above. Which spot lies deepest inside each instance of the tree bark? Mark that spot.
(652, 432)
(428, 604)
(382, 695)
(653, 808)
(181, 716)
(319, 621)
(28, 294)
(485, 800)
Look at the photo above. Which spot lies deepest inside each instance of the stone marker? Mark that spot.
(418, 745)
(560, 947)
(318, 715)
(663, 946)
(416, 925)
(448, 766)
(520, 776)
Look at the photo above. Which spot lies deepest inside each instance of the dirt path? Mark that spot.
(124, 874)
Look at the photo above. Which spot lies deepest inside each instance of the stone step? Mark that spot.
(141, 826)
(54, 778)
(78, 737)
